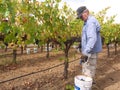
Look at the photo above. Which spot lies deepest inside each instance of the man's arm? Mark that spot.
(91, 38)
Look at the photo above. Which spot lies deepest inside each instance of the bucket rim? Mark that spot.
(84, 76)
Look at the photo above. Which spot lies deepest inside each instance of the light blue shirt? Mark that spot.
(91, 39)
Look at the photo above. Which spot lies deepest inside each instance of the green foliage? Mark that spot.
(37, 21)
(109, 30)
(69, 87)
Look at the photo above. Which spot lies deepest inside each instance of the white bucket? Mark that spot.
(83, 82)
(28, 50)
(35, 50)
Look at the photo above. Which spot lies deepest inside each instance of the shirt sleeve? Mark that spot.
(91, 38)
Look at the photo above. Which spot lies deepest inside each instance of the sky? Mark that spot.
(96, 6)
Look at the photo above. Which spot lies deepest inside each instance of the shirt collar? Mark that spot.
(87, 20)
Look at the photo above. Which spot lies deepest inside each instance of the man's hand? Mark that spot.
(83, 59)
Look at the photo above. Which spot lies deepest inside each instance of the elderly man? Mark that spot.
(91, 41)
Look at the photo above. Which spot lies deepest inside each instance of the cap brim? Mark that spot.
(79, 16)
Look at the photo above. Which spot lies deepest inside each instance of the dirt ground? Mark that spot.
(107, 74)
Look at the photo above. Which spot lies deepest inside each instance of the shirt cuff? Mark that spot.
(86, 53)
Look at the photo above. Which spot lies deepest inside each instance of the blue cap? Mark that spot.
(80, 10)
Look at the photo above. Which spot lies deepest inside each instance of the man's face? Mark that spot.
(84, 16)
